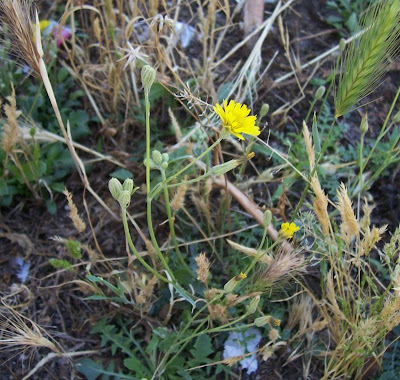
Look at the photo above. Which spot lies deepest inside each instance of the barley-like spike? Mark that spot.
(368, 57)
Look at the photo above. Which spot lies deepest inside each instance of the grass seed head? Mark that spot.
(203, 269)
(368, 57)
(349, 226)
(79, 224)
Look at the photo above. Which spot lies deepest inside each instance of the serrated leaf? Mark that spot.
(93, 370)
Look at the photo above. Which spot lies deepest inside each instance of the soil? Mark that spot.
(27, 228)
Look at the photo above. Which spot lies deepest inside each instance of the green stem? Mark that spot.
(382, 133)
(171, 223)
(148, 188)
(188, 166)
(135, 252)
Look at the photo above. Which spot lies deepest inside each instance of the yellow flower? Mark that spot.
(241, 276)
(287, 230)
(235, 118)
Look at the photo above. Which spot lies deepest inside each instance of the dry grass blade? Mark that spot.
(368, 58)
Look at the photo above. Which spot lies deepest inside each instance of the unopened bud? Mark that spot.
(267, 218)
(164, 165)
(115, 188)
(152, 164)
(165, 157)
(342, 45)
(320, 92)
(264, 110)
(230, 285)
(225, 167)
(364, 124)
(128, 185)
(251, 309)
(124, 199)
(148, 77)
(157, 157)
(262, 321)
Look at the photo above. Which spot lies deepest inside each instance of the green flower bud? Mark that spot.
(157, 157)
(148, 77)
(164, 165)
(364, 124)
(252, 307)
(124, 199)
(267, 218)
(225, 167)
(230, 285)
(115, 188)
(262, 321)
(320, 92)
(264, 110)
(152, 164)
(128, 185)
(342, 45)
(165, 157)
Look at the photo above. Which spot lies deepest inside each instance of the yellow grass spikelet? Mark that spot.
(309, 146)
(349, 227)
(320, 204)
(79, 224)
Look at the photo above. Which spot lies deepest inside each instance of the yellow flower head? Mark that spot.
(287, 230)
(235, 118)
(241, 276)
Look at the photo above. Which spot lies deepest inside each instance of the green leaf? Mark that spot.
(93, 370)
(122, 174)
(51, 207)
(202, 347)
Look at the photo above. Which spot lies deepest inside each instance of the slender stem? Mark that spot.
(195, 160)
(148, 188)
(382, 133)
(225, 327)
(171, 223)
(135, 252)
(312, 105)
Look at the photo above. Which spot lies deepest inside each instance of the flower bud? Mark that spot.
(148, 77)
(264, 110)
(320, 92)
(157, 157)
(225, 167)
(115, 188)
(152, 164)
(165, 157)
(262, 321)
(342, 45)
(267, 218)
(364, 124)
(124, 199)
(230, 285)
(164, 165)
(252, 307)
(128, 185)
